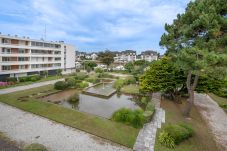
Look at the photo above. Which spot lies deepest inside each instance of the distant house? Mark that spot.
(149, 55)
(94, 56)
(125, 56)
(80, 55)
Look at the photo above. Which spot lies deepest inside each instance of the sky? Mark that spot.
(92, 25)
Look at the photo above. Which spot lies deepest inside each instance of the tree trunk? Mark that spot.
(191, 88)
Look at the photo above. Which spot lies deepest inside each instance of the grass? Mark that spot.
(222, 102)
(130, 89)
(116, 132)
(49, 78)
(202, 139)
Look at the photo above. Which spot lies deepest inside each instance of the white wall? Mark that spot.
(70, 56)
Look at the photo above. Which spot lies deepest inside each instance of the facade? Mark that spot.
(125, 56)
(24, 56)
(148, 55)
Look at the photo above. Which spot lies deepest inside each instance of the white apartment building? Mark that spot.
(149, 55)
(125, 56)
(21, 56)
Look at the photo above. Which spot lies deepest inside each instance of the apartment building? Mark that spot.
(22, 56)
(149, 55)
(125, 56)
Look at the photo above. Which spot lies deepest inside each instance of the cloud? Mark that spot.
(92, 24)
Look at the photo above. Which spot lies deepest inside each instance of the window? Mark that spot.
(21, 59)
(21, 66)
(5, 58)
(21, 51)
(6, 51)
(6, 67)
(57, 59)
(6, 41)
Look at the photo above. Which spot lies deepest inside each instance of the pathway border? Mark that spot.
(30, 86)
(146, 138)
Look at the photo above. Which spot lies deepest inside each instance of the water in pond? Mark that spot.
(93, 105)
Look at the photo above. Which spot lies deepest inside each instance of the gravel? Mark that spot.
(215, 117)
(26, 128)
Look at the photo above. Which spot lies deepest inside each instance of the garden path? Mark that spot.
(215, 117)
(26, 128)
(146, 137)
(30, 86)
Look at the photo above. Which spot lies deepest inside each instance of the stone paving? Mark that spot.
(30, 86)
(146, 137)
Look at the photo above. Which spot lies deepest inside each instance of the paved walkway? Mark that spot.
(26, 128)
(25, 87)
(146, 137)
(215, 117)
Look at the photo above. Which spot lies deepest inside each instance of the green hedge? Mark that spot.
(176, 133)
(134, 118)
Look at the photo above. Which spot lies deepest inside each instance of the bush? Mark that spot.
(60, 85)
(70, 82)
(11, 79)
(99, 70)
(22, 79)
(80, 76)
(165, 139)
(118, 84)
(83, 85)
(74, 98)
(179, 132)
(134, 118)
(130, 80)
(34, 78)
(35, 147)
(149, 111)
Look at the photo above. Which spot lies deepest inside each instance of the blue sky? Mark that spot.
(92, 25)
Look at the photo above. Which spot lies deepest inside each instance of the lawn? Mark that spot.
(202, 139)
(222, 102)
(130, 89)
(30, 82)
(116, 132)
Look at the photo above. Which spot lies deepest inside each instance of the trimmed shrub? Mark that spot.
(149, 111)
(74, 98)
(22, 79)
(165, 139)
(11, 79)
(35, 78)
(35, 147)
(60, 85)
(134, 118)
(178, 132)
(70, 82)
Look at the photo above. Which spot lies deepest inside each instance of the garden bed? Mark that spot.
(116, 132)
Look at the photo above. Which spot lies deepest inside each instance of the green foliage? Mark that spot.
(161, 76)
(179, 132)
(83, 85)
(60, 85)
(129, 67)
(99, 70)
(92, 80)
(59, 72)
(70, 81)
(35, 78)
(130, 80)
(118, 84)
(105, 75)
(106, 57)
(134, 118)
(149, 111)
(35, 147)
(74, 98)
(165, 139)
(11, 79)
(80, 76)
(89, 65)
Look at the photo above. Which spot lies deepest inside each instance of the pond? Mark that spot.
(99, 106)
